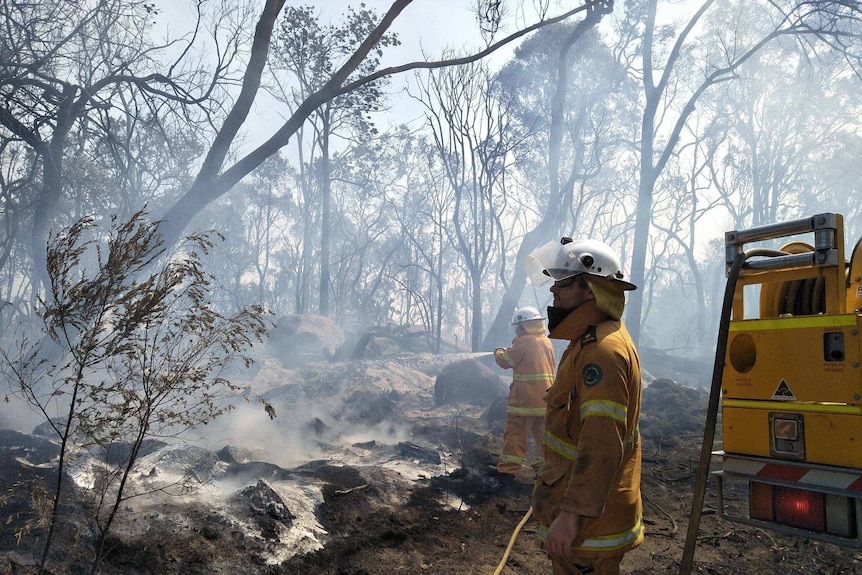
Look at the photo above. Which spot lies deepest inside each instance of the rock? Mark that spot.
(45, 429)
(367, 407)
(317, 426)
(391, 341)
(300, 339)
(468, 381)
(497, 414)
(415, 452)
(670, 410)
(693, 371)
(181, 460)
(233, 454)
(382, 347)
(119, 451)
(264, 501)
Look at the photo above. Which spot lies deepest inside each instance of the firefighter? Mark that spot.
(587, 492)
(531, 357)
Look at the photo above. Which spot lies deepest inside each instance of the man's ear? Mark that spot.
(588, 290)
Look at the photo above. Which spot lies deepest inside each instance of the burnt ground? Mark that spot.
(423, 538)
(458, 523)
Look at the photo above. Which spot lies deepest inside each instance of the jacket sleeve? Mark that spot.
(602, 385)
(511, 356)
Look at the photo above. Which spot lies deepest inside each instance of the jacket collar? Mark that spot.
(576, 323)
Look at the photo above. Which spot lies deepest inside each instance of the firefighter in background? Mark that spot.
(531, 357)
(587, 492)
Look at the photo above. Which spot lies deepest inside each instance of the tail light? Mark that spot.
(798, 508)
(802, 509)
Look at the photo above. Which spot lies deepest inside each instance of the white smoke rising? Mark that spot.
(290, 440)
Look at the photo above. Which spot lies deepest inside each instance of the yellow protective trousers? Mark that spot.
(515, 437)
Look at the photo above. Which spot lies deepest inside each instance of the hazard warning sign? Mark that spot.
(783, 392)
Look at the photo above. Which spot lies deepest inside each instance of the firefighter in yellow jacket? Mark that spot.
(531, 357)
(587, 492)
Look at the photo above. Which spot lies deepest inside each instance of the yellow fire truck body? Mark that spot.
(791, 387)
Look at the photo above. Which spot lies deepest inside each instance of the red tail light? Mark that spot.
(798, 508)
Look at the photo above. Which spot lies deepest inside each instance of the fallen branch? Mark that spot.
(663, 512)
(351, 490)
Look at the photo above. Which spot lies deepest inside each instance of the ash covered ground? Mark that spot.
(376, 465)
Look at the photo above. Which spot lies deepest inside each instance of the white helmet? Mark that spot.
(556, 261)
(526, 313)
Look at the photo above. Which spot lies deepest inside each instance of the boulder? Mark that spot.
(234, 454)
(46, 428)
(178, 460)
(118, 452)
(418, 453)
(264, 501)
(367, 407)
(297, 340)
(468, 381)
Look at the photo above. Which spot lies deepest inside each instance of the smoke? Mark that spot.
(17, 414)
(301, 432)
(281, 439)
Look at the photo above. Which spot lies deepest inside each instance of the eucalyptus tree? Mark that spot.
(60, 62)
(363, 234)
(263, 220)
(785, 115)
(311, 53)
(423, 208)
(675, 71)
(217, 176)
(471, 129)
(833, 183)
(754, 153)
(685, 199)
(296, 256)
(16, 186)
(254, 221)
(67, 72)
(564, 85)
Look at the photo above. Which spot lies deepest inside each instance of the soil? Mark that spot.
(461, 522)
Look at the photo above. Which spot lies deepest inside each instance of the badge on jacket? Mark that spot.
(589, 336)
(592, 374)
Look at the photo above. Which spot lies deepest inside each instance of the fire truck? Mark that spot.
(787, 380)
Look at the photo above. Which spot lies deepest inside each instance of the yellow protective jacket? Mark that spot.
(592, 452)
(531, 357)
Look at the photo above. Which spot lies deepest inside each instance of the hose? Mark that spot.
(512, 542)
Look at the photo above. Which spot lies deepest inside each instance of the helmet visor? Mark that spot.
(552, 262)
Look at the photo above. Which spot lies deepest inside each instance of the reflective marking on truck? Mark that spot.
(793, 322)
(783, 406)
(837, 479)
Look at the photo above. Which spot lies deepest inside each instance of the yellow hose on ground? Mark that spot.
(512, 542)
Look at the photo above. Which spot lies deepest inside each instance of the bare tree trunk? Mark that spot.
(325, 218)
(557, 198)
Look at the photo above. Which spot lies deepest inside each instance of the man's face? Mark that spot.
(570, 293)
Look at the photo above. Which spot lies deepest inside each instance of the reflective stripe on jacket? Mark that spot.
(592, 459)
(531, 357)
